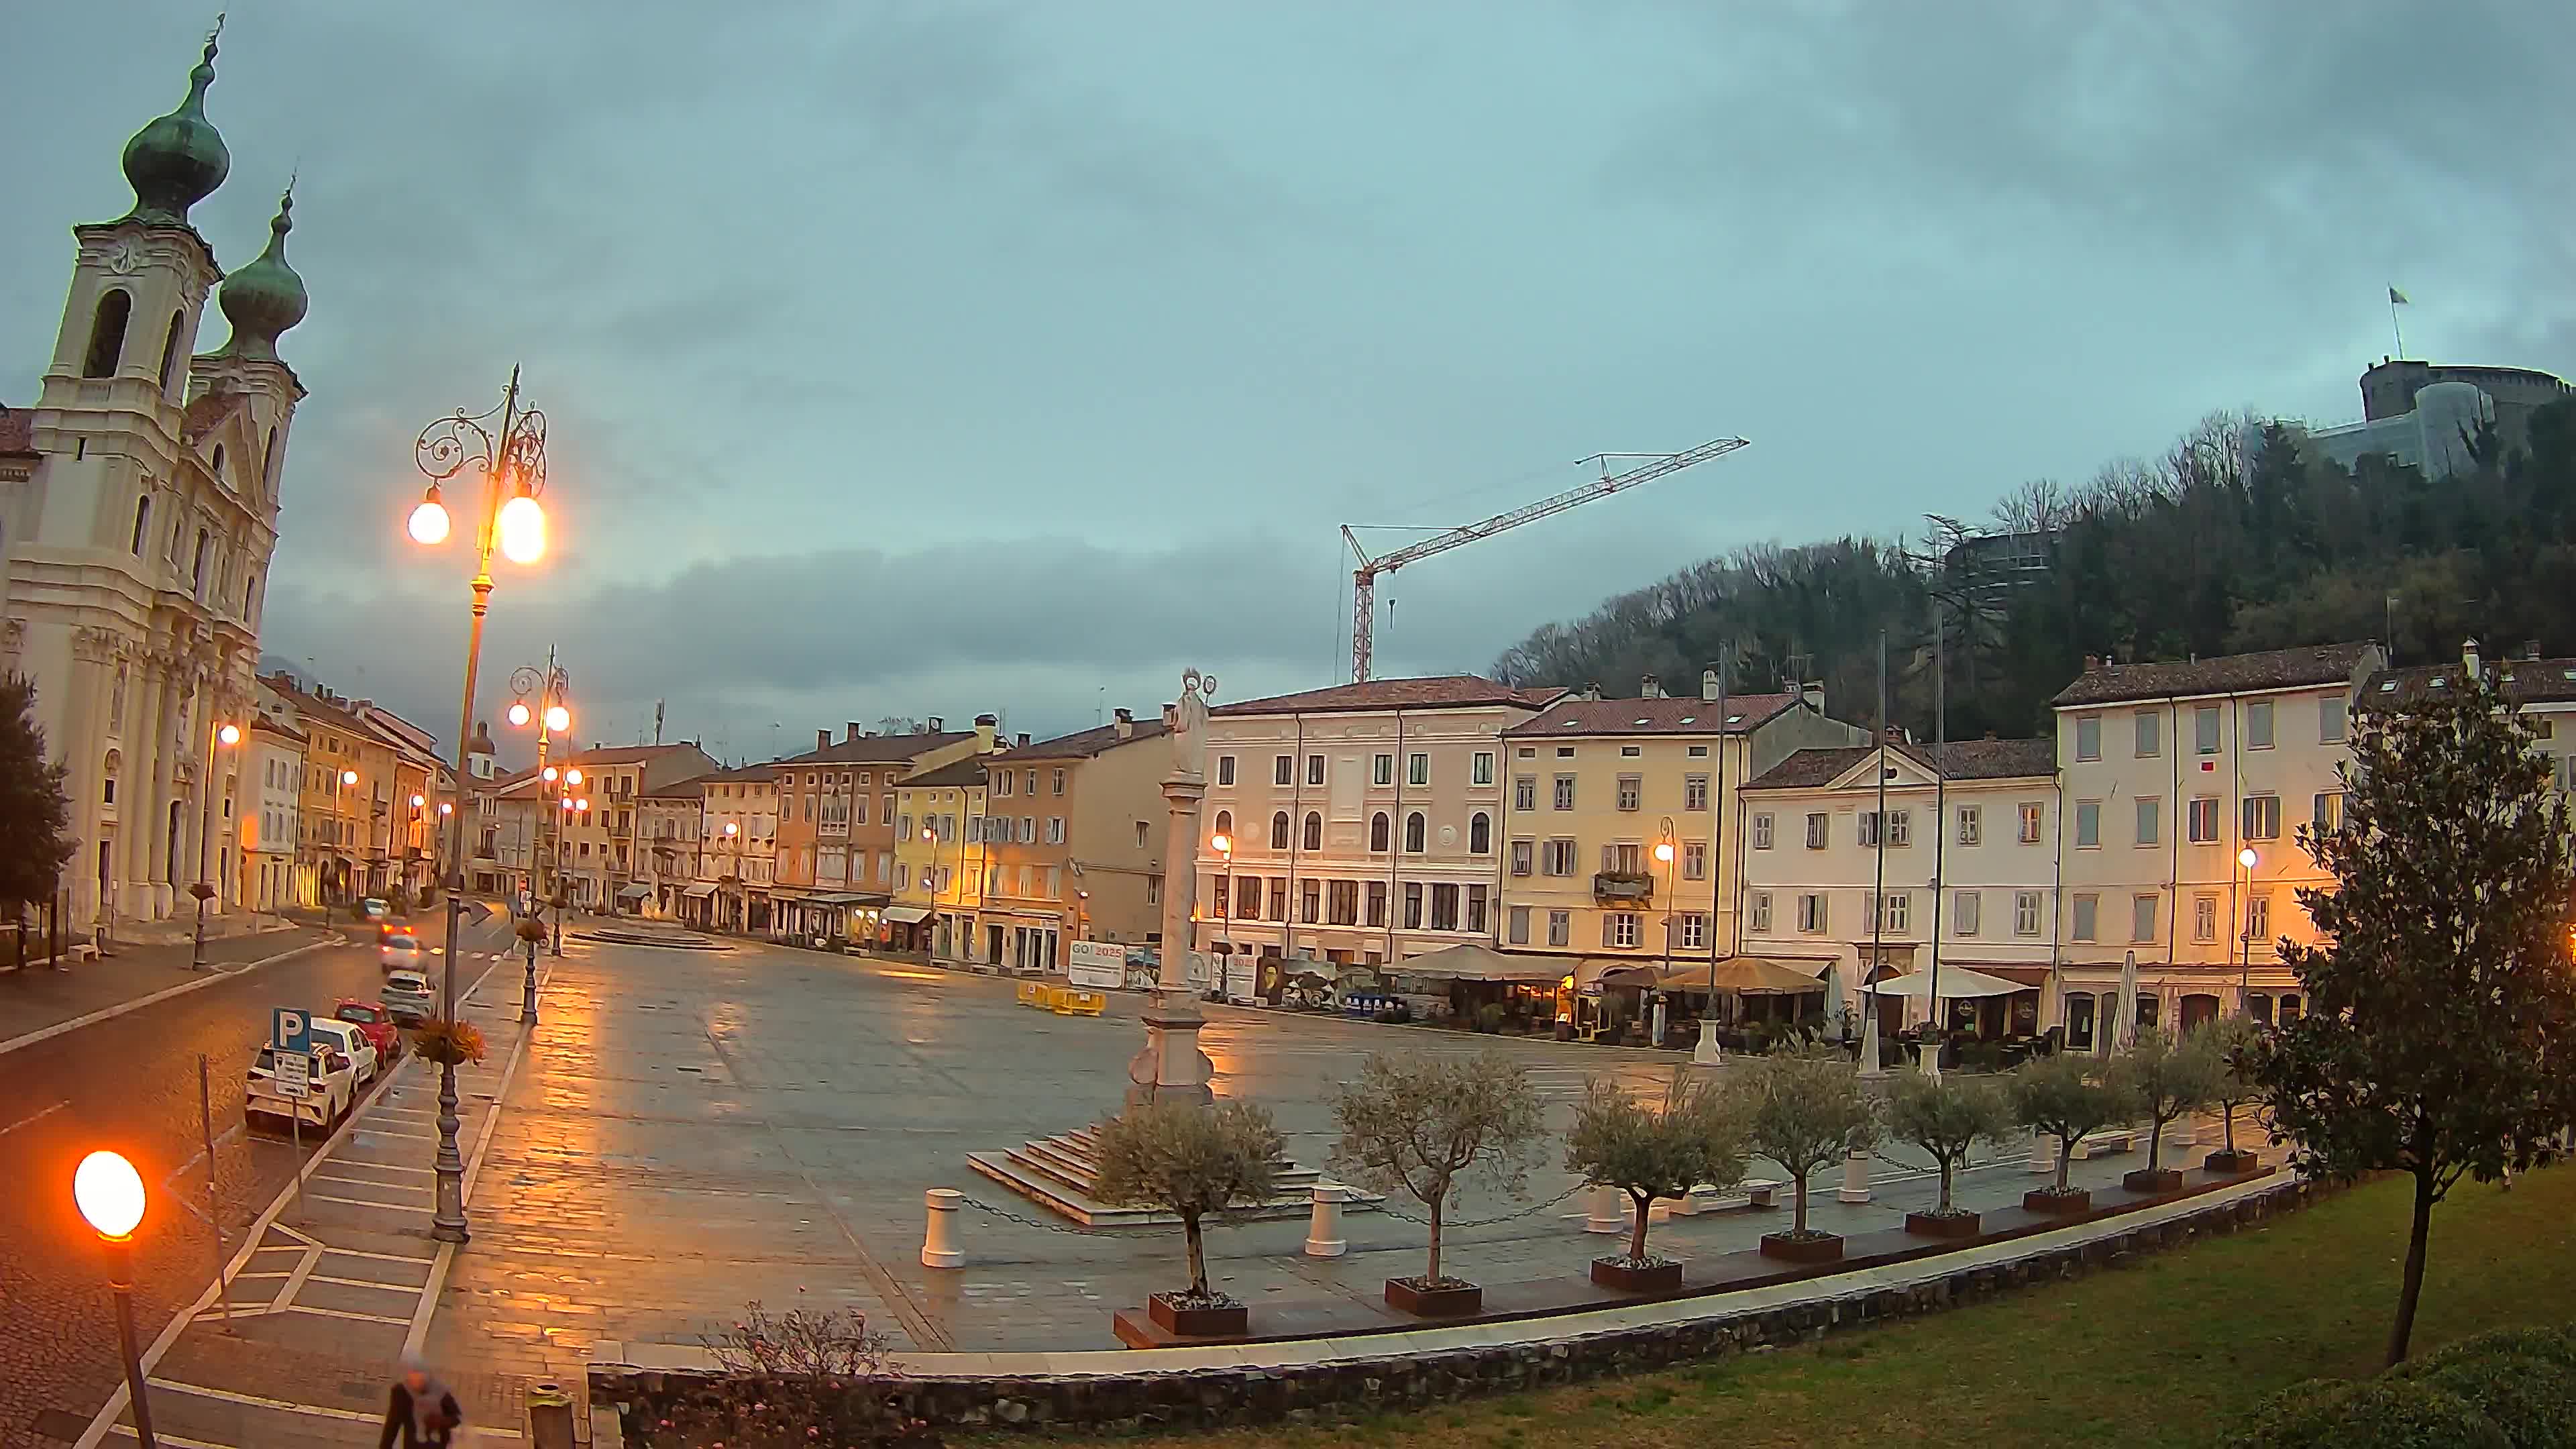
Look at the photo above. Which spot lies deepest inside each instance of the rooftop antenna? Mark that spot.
(657, 721)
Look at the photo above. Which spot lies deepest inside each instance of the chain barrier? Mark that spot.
(1069, 1229)
(1446, 1225)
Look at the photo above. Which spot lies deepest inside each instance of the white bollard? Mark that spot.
(1609, 1212)
(939, 1235)
(1324, 1227)
(2043, 1154)
(1855, 1186)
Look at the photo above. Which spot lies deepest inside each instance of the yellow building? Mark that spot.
(1621, 837)
(939, 859)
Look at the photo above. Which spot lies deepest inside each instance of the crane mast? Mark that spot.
(1364, 578)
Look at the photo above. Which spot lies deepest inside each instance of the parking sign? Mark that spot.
(290, 1030)
(293, 1074)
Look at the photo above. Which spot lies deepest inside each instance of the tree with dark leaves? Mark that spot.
(35, 818)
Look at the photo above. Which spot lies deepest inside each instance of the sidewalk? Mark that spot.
(38, 1002)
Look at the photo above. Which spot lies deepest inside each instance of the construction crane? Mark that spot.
(1364, 578)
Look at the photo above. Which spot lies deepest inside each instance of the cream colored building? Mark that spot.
(939, 858)
(1595, 786)
(739, 863)
(1073, 836)
(273, 762)
(1962, 866)
(2169, 772)
(1366, 819)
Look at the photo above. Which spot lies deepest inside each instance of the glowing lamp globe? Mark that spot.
(558, 717)
(1221, 843)
(228, 735)
(1664, 851)
(551, 773)
(2246, 857)
(417, 802)
(519, 714)
(522, 527)
(348, 777)
(428, 523)
(585, 803)
(110, 1194)
(573, 775)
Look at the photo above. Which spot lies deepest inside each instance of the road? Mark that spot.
(131, 1083)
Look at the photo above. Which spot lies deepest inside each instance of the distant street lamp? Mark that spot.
(224, 737)
(547, 685)
(1223, 845)
(513, 466)
(1664, 856)
(109, 1193)
(2245, 936)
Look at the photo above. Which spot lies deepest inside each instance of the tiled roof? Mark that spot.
(207, 413)
(693, 788)
(1440, 691)
(2525, 681)
(17, 430)
(1083, 744)
(968, 771)
(2225, 674)
(1965, 760)
(1650, 716)
(624, 754)
(877, 749)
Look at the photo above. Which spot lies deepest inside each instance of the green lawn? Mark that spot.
(2164, 1353)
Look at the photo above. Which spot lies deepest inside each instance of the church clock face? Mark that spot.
(125, 256)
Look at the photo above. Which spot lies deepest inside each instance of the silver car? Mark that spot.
(407, 997)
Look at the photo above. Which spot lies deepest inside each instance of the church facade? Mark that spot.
(139, 499)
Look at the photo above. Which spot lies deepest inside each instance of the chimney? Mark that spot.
(985, 726)
(934, 726)
(2530, 648)
(1020, 740)
(1649, 687)
(822, 739)
(1814, 695)
(1124, 722)
(2469, 657)
(1708, 685)
(1591, 691)
(849, 730)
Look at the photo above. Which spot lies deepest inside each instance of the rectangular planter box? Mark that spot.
(2153, 1179)
(1231, 1321)
(2040, 1200)
(1452, 1302)
(1662, 1278)
(1932, 1225)
(1802, 1250)
(2231, 1163)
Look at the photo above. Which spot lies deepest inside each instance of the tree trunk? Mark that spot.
(2156, 1140)
(1945, 1186)
(1637, 1234)
(2412, 1287)
(1198, 1253)
(1434, 1204)
(1800, 1224)
(2227, 1120)
(2065, 1159)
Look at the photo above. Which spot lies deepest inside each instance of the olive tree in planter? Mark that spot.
(2163, 1078)
(2063, 1097)
(1696, 1138)
(1807, 1110)
(1190, 1161)
(2231, 1042)
(1420, 1125)
(1946, 1116)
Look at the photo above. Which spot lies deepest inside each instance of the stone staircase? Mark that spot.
(1063, 1173)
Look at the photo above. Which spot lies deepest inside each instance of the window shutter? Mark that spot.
(1605, 928)
(1609, 861)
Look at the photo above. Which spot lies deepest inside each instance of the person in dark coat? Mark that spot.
(420, 1413)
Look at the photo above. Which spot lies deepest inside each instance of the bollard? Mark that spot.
(1324, 1226)
(1855, 1186)
(1609, 1213)
(939, 1235)
(549, 1415)
(2043, 1154)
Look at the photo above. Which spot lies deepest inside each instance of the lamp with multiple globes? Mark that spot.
(558, 719)
(222, 737)
(519, 715)
(572, 775)
(2245, 936)
(1223, 845)
(348, 777)
(109, 1193)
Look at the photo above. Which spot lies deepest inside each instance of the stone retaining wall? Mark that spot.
(1301, 1393)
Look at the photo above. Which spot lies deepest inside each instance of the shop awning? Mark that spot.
(700, 891)
(844, 898)
(1957, 983)
(1472, 962)
(1741, 975)
(634, 892)
(906, 915)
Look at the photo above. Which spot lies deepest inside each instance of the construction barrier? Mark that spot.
(1032, 993)
(1076, 1001)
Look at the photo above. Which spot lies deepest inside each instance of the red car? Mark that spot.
(375, 1023)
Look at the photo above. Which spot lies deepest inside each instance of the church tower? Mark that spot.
(137, 548)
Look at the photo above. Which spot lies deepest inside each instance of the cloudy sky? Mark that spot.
(932, 358)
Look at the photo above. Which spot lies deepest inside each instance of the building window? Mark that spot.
(1964, 910)
(1481, 769)
(1560, 928)
(142, 518)
(1694, 931)
(1444, 907)
(1480, 833)
(1377, 903)
(1631, 792)
(1896, 910)
(1225, 769)
(2330, 721)
(1311, 902)
(1630, 752)
(1415, 827)
(1278, 830)
(2262, 817)
(2088, 824)
(1247, 897)
(2203, 826)
(1516, 926)
(1413, 905)
(1055, 830)
(2142, 917)
(2151, 741)
(2025, 913)
(2204, 918)
(1695, 860)
(2204, 730)
(2150, 819)
(1525, 792)
(1057, 785)
(1758, 912)
(1866, 835)
(2258, 725)
(1694, 792)
(1969, 825)
(1556, 857)
(1522, 850)
(1283, 770)
(1382, 770)
(2033, 815)
(1762, 831)
(1314, 830)
(1900, 827)
(2329, 808)
(107, 333)
(1417, 769)
(1811, 913)
(1564, 799)
(2258, 916)
(1004, 783)
(1819, 830)
(1314, 769)
(1225, 826)
(1345, 907)
(1619, 928)
(2088, 737)
(2088, 909)
(1378, 833)
(2079, 1020)
(1220, 895)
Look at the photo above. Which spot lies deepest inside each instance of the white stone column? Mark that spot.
(138, 807)
(1171, 1065)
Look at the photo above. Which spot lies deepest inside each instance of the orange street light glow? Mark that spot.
(110, 1194)
(429, 521)
(519, 713)
(522, 526)
(573, 775)
(228, 735)
(558, 718)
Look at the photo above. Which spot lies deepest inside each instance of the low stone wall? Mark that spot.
(1306, 1392)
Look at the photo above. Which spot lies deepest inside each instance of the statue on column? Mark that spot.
(1171, 1064)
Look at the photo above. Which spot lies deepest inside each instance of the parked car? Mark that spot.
(408, 998)
(333, 1086)
(398, 951)
(374, 908)
(377, 1022)
(346, 1039)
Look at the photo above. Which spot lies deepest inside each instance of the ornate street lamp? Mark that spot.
(109, 1193)
(513, 468)
(546, 688)
(223, 737)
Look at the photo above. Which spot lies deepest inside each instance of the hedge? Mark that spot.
(2512, 1388)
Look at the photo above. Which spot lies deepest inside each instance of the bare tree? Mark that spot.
(1419, 1125)
(1808, 1109)
(1192, 1161)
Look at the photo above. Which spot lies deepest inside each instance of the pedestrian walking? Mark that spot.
(420, 1412)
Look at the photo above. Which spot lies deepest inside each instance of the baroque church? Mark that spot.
(138, 511)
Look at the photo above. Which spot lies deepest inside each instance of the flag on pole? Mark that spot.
(2397, 298)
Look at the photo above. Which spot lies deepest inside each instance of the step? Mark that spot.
(1090, 1212)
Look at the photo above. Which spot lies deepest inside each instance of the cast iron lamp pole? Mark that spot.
(109, 1193)
(220, 738)
(513, 466)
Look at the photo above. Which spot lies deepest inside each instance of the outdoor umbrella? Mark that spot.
(1957, 983)
(2124, 1031)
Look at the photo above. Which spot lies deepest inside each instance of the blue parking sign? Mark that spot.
(290, 1030)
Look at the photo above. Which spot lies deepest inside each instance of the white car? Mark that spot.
(345, 1038)
(333, 1086)
(399, 951)
(408, 997)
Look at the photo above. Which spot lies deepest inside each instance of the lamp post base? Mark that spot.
(528, 990)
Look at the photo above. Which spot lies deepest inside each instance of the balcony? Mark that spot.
(1627, 888)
